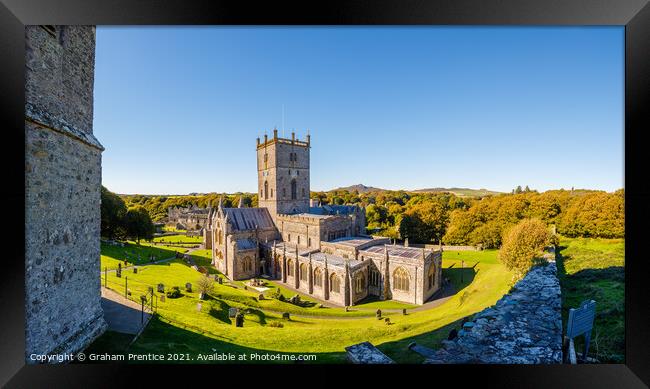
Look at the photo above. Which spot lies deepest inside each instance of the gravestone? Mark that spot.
(260, 297)
(188, 287)
(378, 313)
(162, 298)
(135, 270)
(239, 320)
(232, 312)
(161, 288)
(286, 316)
(387, 321)
(220, 280)
(404, 311)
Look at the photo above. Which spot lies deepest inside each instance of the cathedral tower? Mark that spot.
(283, 174)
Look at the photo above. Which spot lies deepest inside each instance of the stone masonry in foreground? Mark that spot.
(523, 327)
(62, 184)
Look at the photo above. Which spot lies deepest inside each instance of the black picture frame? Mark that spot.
(633, 14)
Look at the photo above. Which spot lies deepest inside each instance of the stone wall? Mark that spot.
(62, 201)
(524, 326)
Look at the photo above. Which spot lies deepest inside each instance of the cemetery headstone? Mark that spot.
(135, 270)
(188, 287)
(161, 288)
(378, 313)
(260, 297)
(162, 298)
(387, 321)
(239, 320)
(404, 311)
(286, 316)
(232, 312)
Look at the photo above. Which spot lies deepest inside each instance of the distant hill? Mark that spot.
(467, 192)
(361, 188)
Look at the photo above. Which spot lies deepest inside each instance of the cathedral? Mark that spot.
(321, 251)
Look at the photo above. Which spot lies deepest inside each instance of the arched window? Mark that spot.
(359, 283)
(294, 189)
(266, 190)
(335, 283)
(431, 276)
(401, 279)
(290, 268)
(303, 272)
(247, 264)
(318, 277)
(374, 277)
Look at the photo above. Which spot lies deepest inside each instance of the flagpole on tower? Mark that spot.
(283, 120)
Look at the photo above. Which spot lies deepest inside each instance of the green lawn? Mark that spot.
(595, 269)
(181, 326)
(181, 238)
(134, 254)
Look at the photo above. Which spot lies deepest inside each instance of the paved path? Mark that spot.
(121, 314)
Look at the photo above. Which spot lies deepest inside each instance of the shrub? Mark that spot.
(522, 244)
(174, 293)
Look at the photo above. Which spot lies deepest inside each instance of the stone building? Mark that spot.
(318, 250)
(190, 218)
(62, 185)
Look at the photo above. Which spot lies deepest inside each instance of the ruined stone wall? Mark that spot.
(524, 326)
(62, 201)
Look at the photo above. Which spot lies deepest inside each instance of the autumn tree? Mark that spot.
(522, 244)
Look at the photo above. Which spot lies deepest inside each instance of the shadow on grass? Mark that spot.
(460, 277)
(162, 338)
(219, 310)
(605, 286)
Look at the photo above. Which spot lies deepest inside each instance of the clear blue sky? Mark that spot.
(178, 108)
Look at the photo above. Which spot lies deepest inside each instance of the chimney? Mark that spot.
(275, 133)
(258, 140)
(266, 138)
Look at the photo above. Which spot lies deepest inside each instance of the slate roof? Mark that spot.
(332, 210)
(352, 241)
(333, 260)
(395, 251)
(243, 219)
(246, 244)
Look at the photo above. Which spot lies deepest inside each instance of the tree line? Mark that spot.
(454, 220)
(420, 217)
(121, 222)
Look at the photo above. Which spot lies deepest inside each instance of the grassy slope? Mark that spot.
(112, 255)
(181, 327)
(594, 269)
(178, 238)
